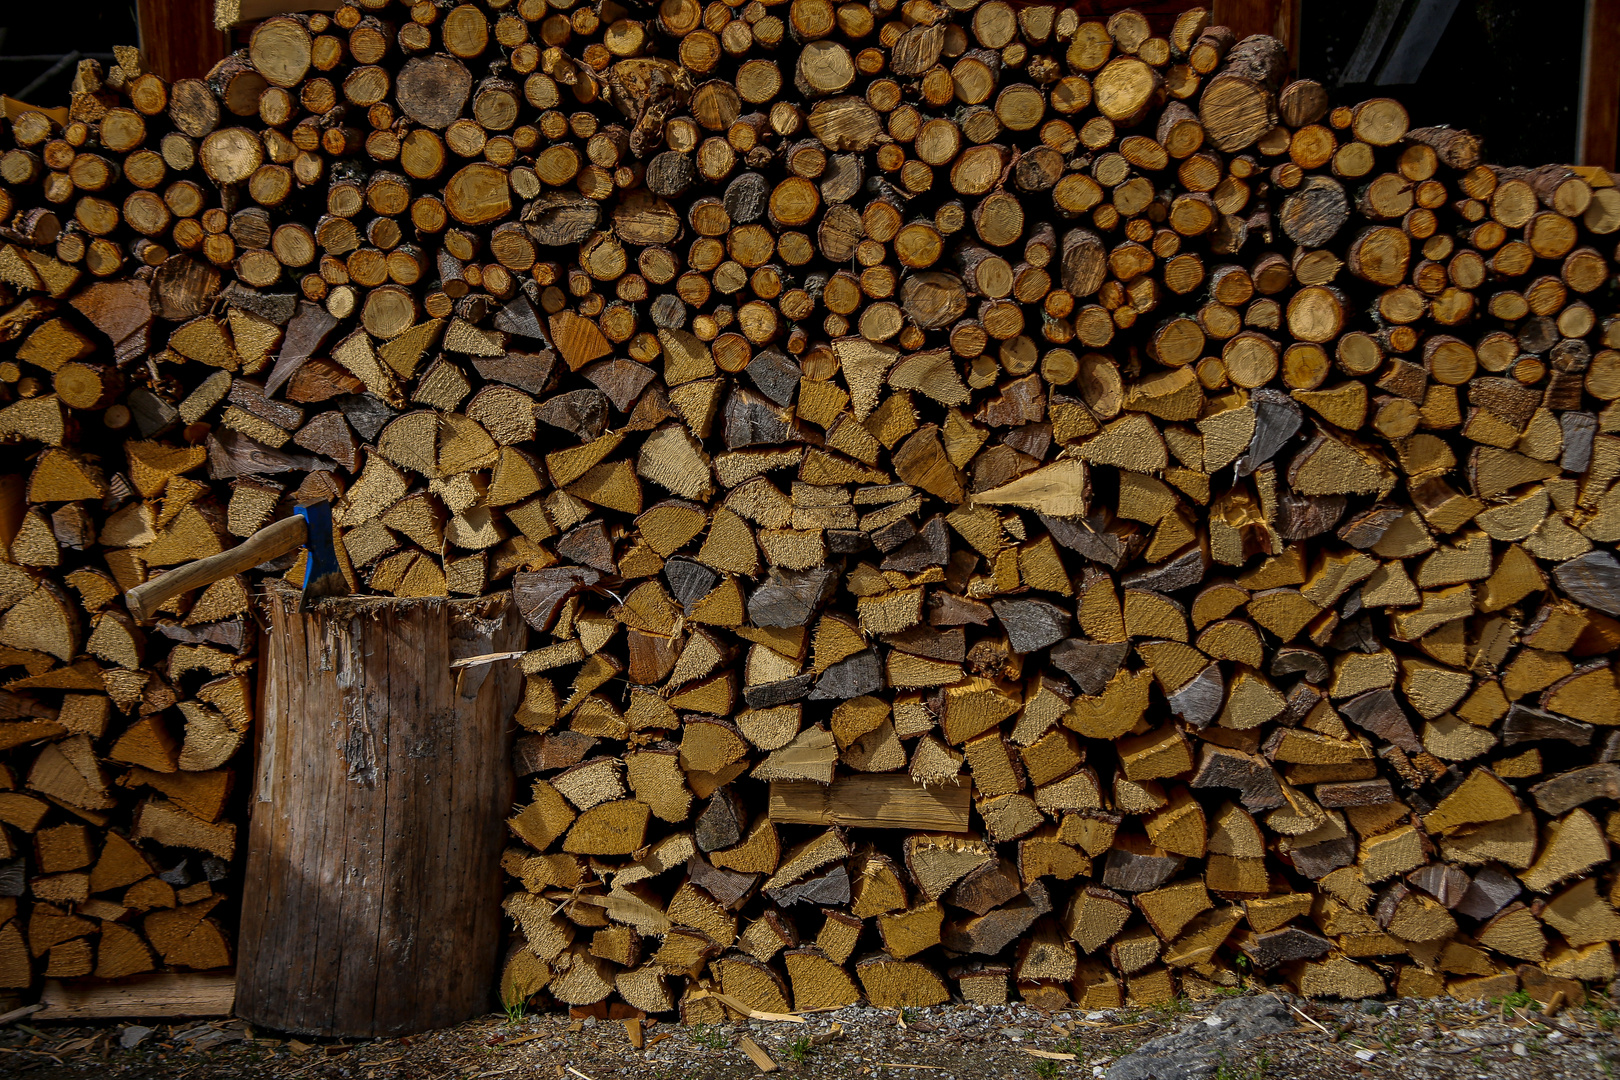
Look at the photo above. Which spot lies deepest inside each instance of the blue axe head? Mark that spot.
(322, 575)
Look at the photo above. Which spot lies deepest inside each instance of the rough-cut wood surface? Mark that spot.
(874, 802)
(376, 817)
(202, 993)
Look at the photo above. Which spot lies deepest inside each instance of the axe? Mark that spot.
(310, 525)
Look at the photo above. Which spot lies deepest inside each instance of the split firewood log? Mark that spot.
(933, 590)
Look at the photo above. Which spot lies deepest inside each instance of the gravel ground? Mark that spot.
(1443, 1040)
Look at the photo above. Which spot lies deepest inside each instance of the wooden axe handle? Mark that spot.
(268, 543)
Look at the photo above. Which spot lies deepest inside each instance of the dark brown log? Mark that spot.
(372, 754)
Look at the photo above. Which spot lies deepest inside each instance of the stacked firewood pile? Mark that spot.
(1005, 502)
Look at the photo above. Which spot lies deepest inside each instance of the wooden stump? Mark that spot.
(377, 817)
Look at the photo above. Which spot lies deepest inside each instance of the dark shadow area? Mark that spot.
(32, 31)
(1508, 71)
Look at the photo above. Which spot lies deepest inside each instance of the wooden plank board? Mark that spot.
(178, 38)
(877, 801)
(1598, 120)
(757, 1055)
(1279, 18)
(203, 993)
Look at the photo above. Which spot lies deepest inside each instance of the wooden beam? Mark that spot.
(1598, 124)
(178, 38)
(873, 801)
(199, 994)
(1279, 18)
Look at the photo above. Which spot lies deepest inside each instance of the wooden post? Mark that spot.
(1598, 131)
(178, 38)
(377, 825)
(1279, 18)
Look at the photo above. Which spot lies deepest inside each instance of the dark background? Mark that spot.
(51, 27)
(1508, 70)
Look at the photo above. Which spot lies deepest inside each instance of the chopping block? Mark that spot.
(372, 905)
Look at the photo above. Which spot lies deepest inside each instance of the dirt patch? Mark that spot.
(1420, 1040)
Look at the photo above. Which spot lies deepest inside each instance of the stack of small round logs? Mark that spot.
(1006, 503)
